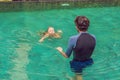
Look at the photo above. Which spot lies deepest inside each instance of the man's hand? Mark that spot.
(59, 49)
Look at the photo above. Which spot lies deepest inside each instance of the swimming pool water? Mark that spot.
(22, 57)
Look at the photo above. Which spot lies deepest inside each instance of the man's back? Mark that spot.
(84, 47)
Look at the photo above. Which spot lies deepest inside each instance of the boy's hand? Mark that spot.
(59, 31)
(41, 40)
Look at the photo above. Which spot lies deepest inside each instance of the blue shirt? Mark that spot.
(72, 43)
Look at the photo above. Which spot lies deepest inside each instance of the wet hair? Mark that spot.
(82, 23)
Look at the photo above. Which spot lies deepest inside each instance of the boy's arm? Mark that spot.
(58, 34)
(42, 39)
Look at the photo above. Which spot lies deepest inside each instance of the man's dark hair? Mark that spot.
(82, 23)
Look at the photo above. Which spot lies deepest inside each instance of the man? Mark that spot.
(82, 46)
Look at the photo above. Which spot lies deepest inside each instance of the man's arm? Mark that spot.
(62, 52)
(69, 48)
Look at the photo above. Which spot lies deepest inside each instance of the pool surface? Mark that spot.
(22, 57)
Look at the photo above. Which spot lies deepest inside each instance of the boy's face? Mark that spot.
(51, 30)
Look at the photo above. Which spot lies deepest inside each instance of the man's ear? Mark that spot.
(77, 29)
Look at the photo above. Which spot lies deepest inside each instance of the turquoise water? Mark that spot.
(22, 57)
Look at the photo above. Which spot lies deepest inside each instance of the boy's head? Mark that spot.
(51, 30)
(82, 23)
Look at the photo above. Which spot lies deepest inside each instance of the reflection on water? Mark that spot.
(20, 62)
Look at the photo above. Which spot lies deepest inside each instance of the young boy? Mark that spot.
(51, 33)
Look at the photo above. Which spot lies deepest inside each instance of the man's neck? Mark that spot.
(81, 31)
